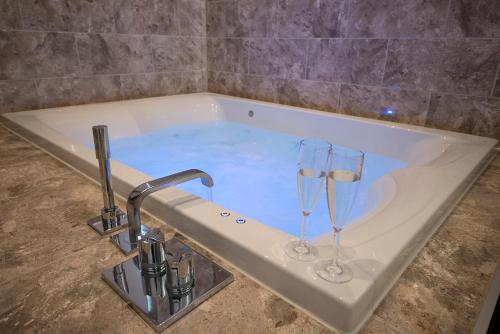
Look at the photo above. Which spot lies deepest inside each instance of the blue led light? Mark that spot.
(241, 220)
(388, 112)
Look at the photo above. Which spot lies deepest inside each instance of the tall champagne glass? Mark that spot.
(342, 183)
(313, 159)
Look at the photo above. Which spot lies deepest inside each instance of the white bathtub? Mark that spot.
(412, 201)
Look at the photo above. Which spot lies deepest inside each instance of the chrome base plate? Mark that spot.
(103, 229)
(160, 308)
(122, 240)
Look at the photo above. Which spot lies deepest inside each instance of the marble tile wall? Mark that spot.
(436, 62)
(57, 52)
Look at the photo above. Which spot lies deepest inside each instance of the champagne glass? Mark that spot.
(342, 183)
(313, 159)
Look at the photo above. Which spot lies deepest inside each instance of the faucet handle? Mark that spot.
(152, 254)
(180, 271)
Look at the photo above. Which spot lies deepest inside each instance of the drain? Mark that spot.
(250, 113)
(240, 221)
(225, 214)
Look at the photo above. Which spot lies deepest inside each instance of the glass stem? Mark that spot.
(303, 229)
(336, 250)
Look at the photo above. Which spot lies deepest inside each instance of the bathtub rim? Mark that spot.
(467, 182)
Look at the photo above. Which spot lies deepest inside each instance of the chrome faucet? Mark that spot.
(127, 241)
(111, 218)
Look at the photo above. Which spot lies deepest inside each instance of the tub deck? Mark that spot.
(49, 256)
(414, 200)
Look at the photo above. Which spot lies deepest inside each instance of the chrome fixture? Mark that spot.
(127, 240)
(180, 272)
(152, 254)
(111, 218)
(166, 280)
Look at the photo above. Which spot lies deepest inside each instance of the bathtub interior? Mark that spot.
(252, 158)
(140, 117)
(254, 170)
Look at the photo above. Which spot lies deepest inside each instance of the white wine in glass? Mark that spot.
(310, 182)
(342, 184)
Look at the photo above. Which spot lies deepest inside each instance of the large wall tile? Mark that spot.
(476, 115)
(27, 55)
(15, 62)
(283, 58)
(192, 17)
(17, 95)
(296, 18)
(219, 82)
(101, 16)
(455, 66)
(410, 105)
(329, 18)
(109, 54)
(163, 17)
(55, 54)
(468, 66)
(412, 63)
(309, 94)
(177, 53)
(132, 16)
(215, 19)
(193, 82)
(59, 15)
(242, 85)
(396, 18)
(311, 18)
(227, 54)
(167, 83)
(474, 18)
(48, 15)
(9, 15)
(358, 61)
(250, 18)
(136, 86)
(256, 87)
(56, 92)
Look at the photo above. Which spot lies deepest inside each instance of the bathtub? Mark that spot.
(409, 203)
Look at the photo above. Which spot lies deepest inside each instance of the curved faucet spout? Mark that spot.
(142, 191)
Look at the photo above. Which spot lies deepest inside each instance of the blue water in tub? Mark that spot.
(254, 170)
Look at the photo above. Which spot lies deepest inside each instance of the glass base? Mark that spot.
(301, 250)
(329, 271)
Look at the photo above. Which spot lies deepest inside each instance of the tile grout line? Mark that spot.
(20, 14)
(306, 69)
(497, 77)
(86, 76)
(339, 100)
(38, 94)
(48, 31)
(78, 58)
(254, 37)
(446, 22)
(388, 42)
(428, 106)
